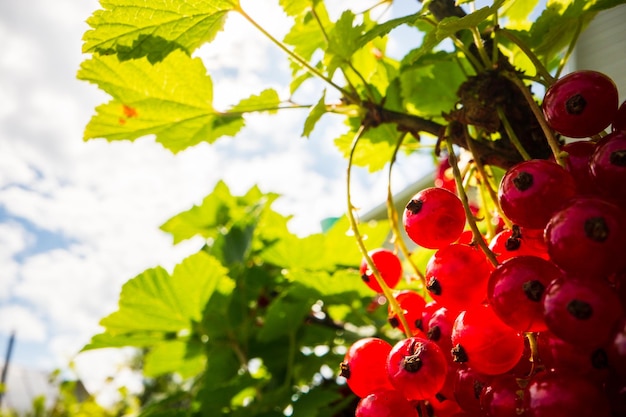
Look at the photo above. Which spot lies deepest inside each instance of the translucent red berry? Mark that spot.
(501, 397)
(608, 167)
(588, 237)
(457, 275)
(386, 403)
(412, 305)
(532, 191)
(468, 387)
(389, 266)
(581, 104)
(434, 218)
(577, 163)
(515, 291)
(583, 312)
(484, 342)
(365, 366)
(417, 368)
(510, 243)
(553, 394)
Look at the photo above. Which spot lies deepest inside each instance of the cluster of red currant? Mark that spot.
(535, 325)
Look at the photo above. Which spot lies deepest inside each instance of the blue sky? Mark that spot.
(78, 219)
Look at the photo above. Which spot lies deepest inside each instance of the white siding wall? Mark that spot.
(602, 47)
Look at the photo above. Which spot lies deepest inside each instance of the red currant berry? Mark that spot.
(608, 167)
(516, 288)
(388, 403)
(412, 305)
(577, 163)
(444, 177)
(365, 366)
(511, 242)
(434, 218)
(443, 406)
(440, 328)
(389, 266)
(501, 397)
(532, 191)
(457, 275)
(553, 394)
(588, 238)
(584, 312)
(561, 356)
(417, 368)
(468, 387)
(484, 342)
(581, 104)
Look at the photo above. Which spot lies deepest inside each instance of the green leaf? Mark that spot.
(450, 25)
(557, 25)
(156, 301)
(176, 356)
(518, 12)
(287, 312)
(342, 41)
(343, 37)
(374, 149)
(315, 115)
(305, 35)
(234, 245)
(136, 29)
(314, 403)
(267, 100)
(296, 7)
(218, 212)
(325, 252)
(429, 87)
(171, 99)
(384, 28)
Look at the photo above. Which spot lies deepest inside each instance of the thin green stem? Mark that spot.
(393, 303)
(478, 41)
(486, 177)
(303, 62)
(270, 108)
(392, 214)
(534, 107)
(478, 237)
(483, 199)
(539, 67)
(512, 135)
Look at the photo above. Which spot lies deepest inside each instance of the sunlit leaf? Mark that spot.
(374, 149)
(450, 25)
(171, 99)
(154, 28)
(156, 301)
(175, 356)
(267, 100)
(315, 115)
(386, 27)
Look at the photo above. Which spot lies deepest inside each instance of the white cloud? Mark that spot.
(13, 240)
(22, 320)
